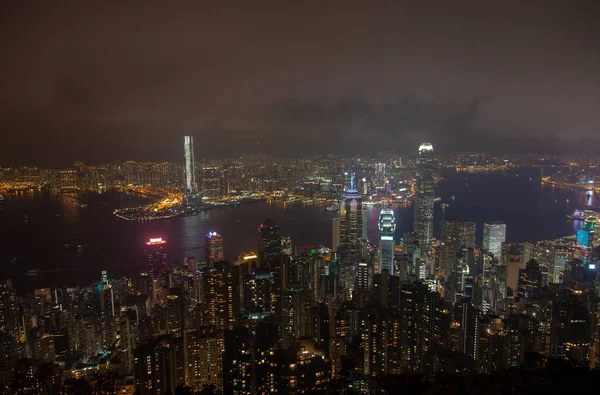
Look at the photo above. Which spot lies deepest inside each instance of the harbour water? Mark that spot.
(532, 212)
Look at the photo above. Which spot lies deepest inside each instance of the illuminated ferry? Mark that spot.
(578, 215)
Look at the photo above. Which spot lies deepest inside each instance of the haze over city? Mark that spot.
(99, 82)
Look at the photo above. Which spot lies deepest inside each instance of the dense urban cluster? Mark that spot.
(285, 318)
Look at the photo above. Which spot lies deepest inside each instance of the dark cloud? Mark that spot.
(113, 80)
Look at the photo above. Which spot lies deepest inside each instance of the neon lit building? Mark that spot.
(189, 171)
(424, 196)
(351, 227)
(214, 247)
(156, 248)
(387, 230)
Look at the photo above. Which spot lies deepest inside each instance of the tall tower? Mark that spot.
(189, 171)
(424, 195)
(351, 219)
(494, 234)
(387, 230)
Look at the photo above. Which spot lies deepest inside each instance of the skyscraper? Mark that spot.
(210, 183)
(214, 247)
(494, 234)
(387, 229)
(269, 244)
(351, 214)
(424, 196)
(189, 170)
(457, 234)
(335, 243)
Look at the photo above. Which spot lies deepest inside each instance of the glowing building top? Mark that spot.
(156, 241)
(425, 147)
(352, 192)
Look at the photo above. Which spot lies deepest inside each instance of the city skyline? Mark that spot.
(299, 198)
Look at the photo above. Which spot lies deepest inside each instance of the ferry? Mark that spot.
(335, 206)
(577, 215)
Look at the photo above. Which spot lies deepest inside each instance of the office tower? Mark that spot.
(494, 234)
(210, 184)
(351, 213)
(269, 245)
(387, 231)
(156, 248)
(189, 171)
(214, 247)
(335, 243)
(203, 358)
(424, 196)
(458, 232)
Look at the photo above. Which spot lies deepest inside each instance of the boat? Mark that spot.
(335, 206)
(444, 205)
(577, 215)
(437, 199)
(33, 272)
(73, 247)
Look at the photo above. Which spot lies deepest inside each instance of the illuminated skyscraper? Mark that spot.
(214, 247)
(189, 170)
(494, 234)
(351, 214)
(387, 229)
(424, 196)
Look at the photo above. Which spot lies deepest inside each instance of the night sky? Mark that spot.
(125, 81)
